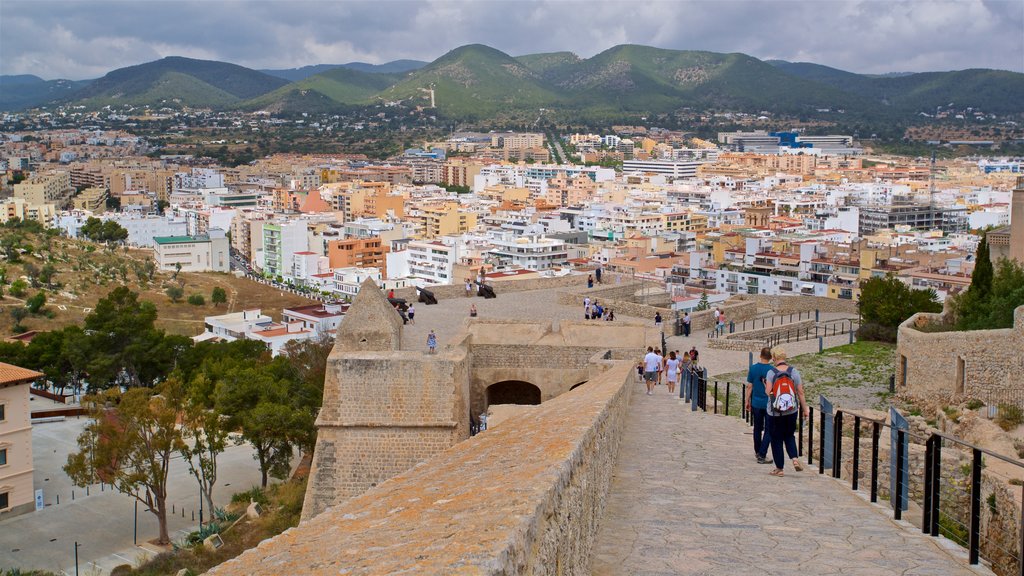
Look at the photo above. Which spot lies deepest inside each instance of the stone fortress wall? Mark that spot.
(386, 409)
(522, 498)
(982, 364)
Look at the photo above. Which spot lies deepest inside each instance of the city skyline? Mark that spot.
(80, 40)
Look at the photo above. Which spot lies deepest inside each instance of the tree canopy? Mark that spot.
(886, 302)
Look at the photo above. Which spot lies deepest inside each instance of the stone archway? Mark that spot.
(513, 392)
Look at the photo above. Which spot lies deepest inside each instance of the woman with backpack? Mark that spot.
(785, 398)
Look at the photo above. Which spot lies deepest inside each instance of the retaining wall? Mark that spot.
(523, 498)
(790, 304)
(982, 364)
(448, 291)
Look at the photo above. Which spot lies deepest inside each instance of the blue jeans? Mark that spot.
(782, 430)
(762, 438)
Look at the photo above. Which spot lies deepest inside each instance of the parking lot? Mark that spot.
(102, 521)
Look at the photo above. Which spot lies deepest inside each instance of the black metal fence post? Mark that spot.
(874, 461)
(926, 520)
(975, 507)
(716, 396)
(727, 398)
(821, 444)
(936, 487)
(837, 445)
(856, 452)
(897, 497)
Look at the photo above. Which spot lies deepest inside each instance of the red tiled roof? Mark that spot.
(11, 374)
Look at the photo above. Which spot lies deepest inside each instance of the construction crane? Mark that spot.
(931, 181)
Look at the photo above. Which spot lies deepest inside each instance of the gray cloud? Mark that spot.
(87, 38)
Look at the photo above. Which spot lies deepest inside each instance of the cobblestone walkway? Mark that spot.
(687, 497)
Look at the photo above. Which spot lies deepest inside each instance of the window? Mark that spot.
(4, 500)
(3, 456)
(2, 412)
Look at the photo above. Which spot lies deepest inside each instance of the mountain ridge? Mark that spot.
(477, 81)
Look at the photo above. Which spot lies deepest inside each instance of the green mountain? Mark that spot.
(338, 86)
(995, 91)
(395, 67)
(478, 82)
(474, 81)
(548, 65)
(23, 91)
(176, 81)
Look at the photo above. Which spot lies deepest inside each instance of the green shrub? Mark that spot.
(254, 494)
(974, 404)
(196, 300)
(1010, 416)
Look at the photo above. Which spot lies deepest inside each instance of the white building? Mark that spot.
(672, 169)
(430, 262)
(143, 229)
(234, 326)
(347, 281)
(322, 318)
(208, 253)
(276, 336)
(529, 252)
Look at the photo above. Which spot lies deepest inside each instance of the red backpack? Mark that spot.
(783, 396)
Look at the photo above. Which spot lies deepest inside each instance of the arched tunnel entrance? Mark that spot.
(513, 392)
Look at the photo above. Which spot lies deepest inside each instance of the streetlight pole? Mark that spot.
(76, 558)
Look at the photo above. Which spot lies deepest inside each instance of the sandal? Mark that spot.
(777, 472)
(797, 465)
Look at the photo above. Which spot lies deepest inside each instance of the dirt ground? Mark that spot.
(87, 275)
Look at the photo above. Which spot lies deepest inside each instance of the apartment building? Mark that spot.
(233, 326)
(562, 191)
(92, 199)
(357, 253)
(16, 488)
(673, 169)
(206, 253)
(458, 172)
(446, 220)
(530, 252)
(19, 208)
(50, 188)
(281, 239)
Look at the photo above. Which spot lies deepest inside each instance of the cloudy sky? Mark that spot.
(87, 38)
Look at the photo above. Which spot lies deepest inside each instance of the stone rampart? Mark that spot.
(982, 364)
(448, 291)
(524, 498)
(793, 304)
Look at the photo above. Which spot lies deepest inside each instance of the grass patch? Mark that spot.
(1010, 416)
(854, 375)
(283, 507)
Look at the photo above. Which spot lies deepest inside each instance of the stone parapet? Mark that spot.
(793, 304)
(982, 364)
(524, 498)
(447, 291)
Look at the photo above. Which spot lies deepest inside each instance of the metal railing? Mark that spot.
(941, 488)
(821, 330)
(761, 323)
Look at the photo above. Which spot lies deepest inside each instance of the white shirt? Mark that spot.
(673, 366)
(652, 362)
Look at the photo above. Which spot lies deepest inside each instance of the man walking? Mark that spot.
(757, 403)
(686, 325)
(597, 274)
(652, 364)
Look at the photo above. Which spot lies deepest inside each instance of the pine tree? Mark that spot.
(981, 278)
(704, 304)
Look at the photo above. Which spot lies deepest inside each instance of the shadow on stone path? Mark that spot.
(687, 497)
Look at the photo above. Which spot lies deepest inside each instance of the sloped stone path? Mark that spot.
(688, 497)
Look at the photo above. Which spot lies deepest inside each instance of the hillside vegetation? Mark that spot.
(476, 81)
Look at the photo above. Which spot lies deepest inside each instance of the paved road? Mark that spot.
(688, 498)
(102, 522)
